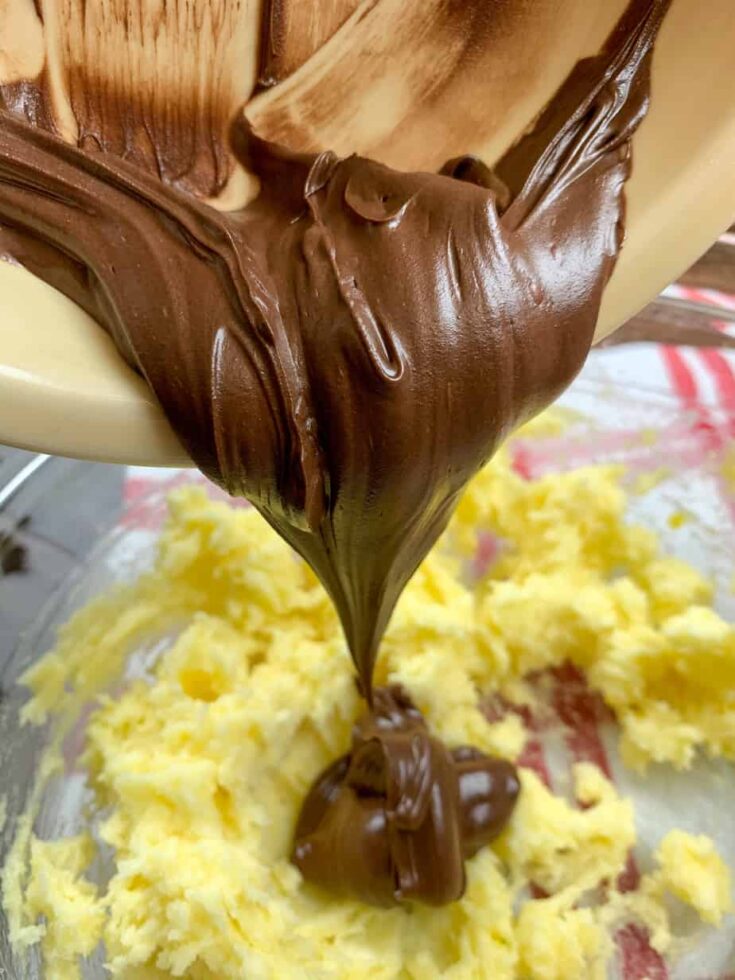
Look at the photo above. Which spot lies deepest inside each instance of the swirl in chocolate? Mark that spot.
(395, 819)
(347, 351)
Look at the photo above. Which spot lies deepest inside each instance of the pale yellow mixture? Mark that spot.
(200, 769)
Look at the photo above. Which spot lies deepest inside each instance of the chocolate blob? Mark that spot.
(395, 819)
(346, 352)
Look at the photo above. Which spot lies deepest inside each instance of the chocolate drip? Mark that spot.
(347, 351)
(394, 820)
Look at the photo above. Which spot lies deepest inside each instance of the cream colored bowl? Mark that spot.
(64, 389)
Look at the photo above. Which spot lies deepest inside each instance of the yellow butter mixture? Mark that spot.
(199, 767)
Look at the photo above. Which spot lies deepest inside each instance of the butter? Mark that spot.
(58, 892)
(254, 694)
(692, 871)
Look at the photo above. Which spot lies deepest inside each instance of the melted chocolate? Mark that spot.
(395, 819)
(346, 352)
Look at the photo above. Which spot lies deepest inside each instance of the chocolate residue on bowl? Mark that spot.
(348, 350)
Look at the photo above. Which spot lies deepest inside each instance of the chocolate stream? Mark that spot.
(346, 352)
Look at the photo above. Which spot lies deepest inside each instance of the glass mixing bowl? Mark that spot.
(79, 527)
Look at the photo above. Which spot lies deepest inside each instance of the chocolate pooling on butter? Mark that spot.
(347, 351)
(395, 819)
